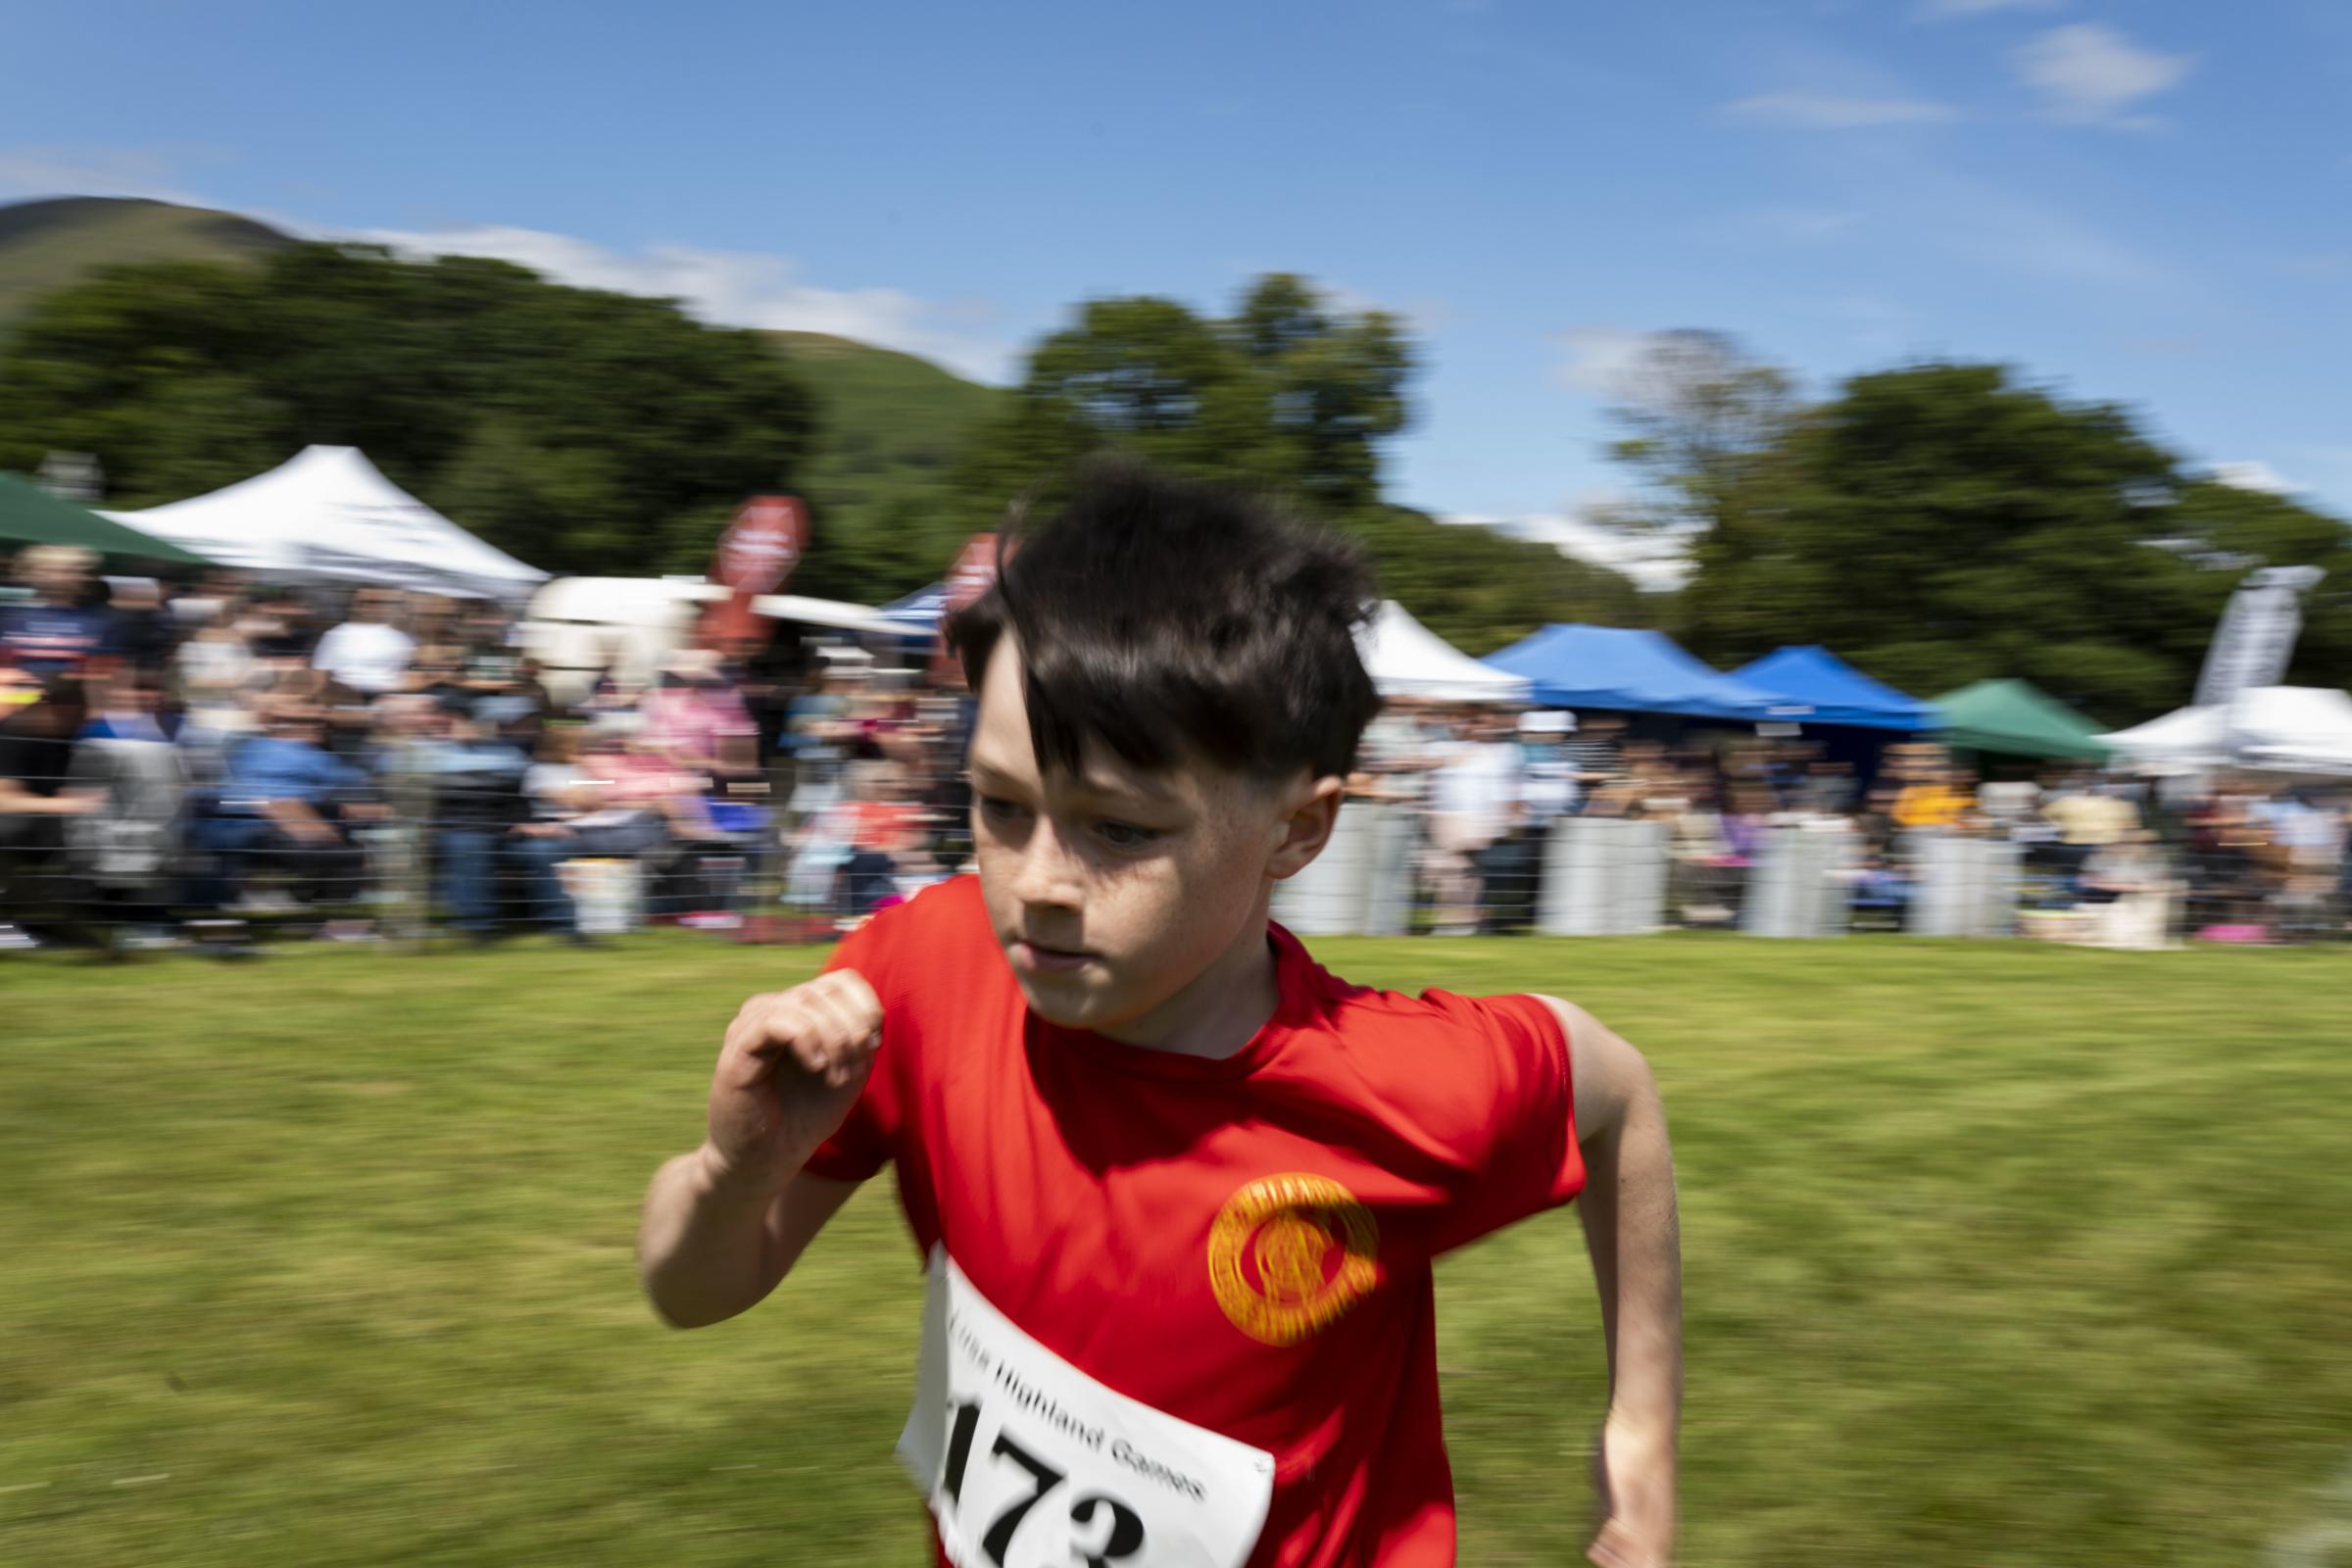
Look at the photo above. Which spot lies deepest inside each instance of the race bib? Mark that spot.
(1031, 1463)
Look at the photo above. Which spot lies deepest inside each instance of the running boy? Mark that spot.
(1179, 1188)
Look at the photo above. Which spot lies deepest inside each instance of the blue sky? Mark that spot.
(2148, 201)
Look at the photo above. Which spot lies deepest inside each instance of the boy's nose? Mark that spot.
(1047, 874)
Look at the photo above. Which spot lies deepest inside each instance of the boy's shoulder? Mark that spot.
(935, 935)
(938, 945)
(945, 907)
(1432, 1034)
(1473, 1092)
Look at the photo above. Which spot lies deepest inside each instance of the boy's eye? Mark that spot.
(1125, 835)
(998, 810)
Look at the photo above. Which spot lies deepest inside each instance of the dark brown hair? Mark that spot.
(1162, 618)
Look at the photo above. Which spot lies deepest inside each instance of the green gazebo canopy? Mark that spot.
(31, 516)
(2017, 719)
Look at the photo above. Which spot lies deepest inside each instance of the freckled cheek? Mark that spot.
(1143, 912)
(1210, 890)
(1134, 910)
(1114, 896)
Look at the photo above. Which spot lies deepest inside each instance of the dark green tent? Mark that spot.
(2017, 719)
(31, 516)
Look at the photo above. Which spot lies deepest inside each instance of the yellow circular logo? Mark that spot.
(1287, 1255)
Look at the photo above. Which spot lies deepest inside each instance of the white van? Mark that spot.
(575, 627)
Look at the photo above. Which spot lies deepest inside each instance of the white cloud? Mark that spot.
(2087, 74)
(1940, 9)
(1598, 358)
(2256, 474)
(1654, 564)
(1819, 111)
(28, 173)
(732, 288)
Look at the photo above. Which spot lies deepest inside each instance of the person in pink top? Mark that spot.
(696, 720)
(640, 776)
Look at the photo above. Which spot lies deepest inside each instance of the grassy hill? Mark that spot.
(893, 424)
(46, 245)
(892, 427)
(929, 409)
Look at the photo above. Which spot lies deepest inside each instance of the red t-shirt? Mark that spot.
(885, 825)
(1246, 1242)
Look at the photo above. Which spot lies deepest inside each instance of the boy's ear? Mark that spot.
(1307, 826)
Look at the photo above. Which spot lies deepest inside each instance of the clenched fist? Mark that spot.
(792, 1066)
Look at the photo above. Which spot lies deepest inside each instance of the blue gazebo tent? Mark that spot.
(922, 610)
(1633, 672)
(1835, 691)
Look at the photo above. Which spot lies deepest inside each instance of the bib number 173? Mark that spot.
(1119, 1528)
(1029, 1463)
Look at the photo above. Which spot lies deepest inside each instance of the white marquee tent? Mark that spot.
(327, 512)
(837, 613)
(2187, 740)
(2292, 729)
(1405, 659)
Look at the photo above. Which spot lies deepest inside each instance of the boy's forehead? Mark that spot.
(1004, 751)
(1002, 745)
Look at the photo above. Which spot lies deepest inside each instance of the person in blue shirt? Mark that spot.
(478, 807)
(284, 802)
(56, 635)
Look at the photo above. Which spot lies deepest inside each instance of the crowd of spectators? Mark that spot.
(203, 761)
(2228, 856)
(196, 763)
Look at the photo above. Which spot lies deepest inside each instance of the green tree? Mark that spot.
(1334, 387)
(2232, 530)
(1141, 375)
(895, 545)
(1291, 396)
(1482, 590)
(1287, 394)
(880, 482)
(582, 431)
(1707, 431)
(1943, 523)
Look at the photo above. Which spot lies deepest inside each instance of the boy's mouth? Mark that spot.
(1039, 958)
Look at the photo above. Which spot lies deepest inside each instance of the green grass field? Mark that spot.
(1997, 1255)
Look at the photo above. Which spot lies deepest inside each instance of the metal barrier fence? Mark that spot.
(144, 843)
(1386, 873)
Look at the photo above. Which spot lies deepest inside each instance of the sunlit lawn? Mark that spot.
(1997, 1255)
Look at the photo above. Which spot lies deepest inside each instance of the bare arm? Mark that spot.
(18, 801)
(708, 1248)
(297, 818)
(724, 1223)
(1634, 1236)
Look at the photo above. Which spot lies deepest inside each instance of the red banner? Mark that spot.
(974, 571)
(973, 574)
(763, 545)
(755, 555)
